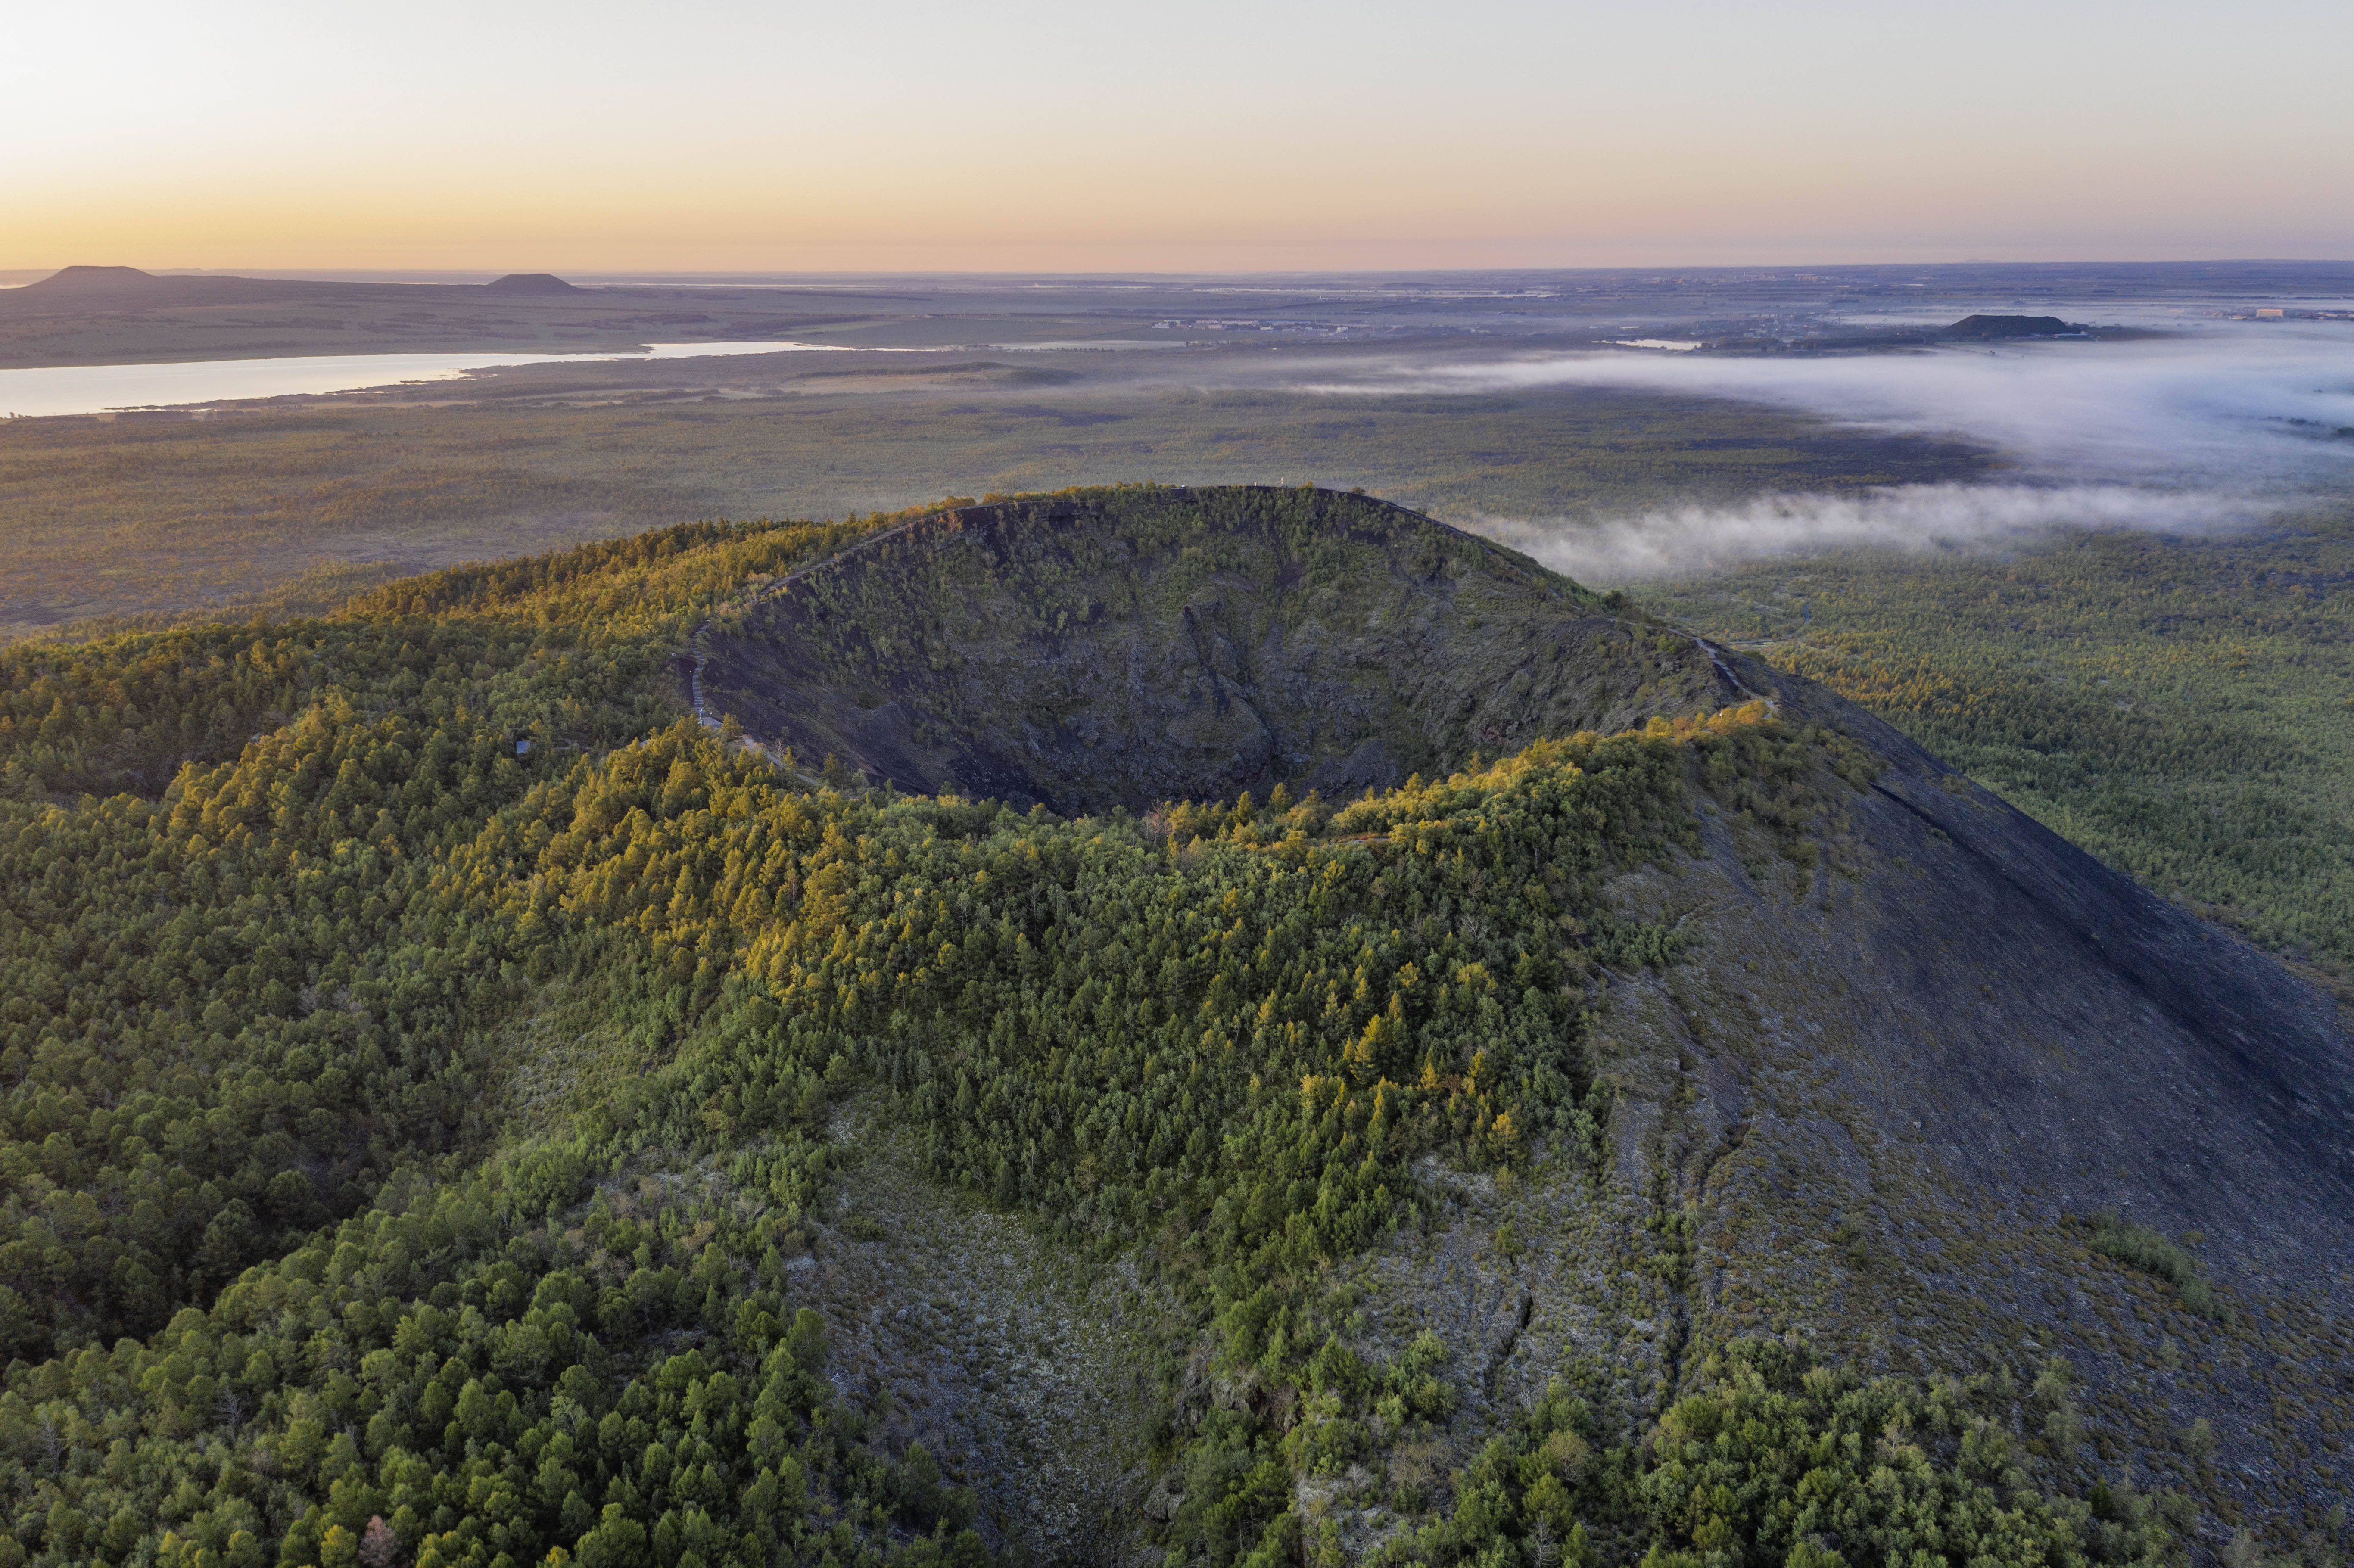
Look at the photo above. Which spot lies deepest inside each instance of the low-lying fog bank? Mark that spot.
(2214, 429)
(1686, 541)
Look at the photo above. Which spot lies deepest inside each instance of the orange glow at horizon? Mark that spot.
(1058, 138)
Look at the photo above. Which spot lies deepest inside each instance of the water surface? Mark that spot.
(97, 389)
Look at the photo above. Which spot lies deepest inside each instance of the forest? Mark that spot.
(291, 1272)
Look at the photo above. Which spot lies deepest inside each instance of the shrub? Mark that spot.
(2138, 1246)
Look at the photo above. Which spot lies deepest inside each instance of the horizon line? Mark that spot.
(37, 273)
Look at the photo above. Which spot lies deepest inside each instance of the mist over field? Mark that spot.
(2253, 408)
(2219, 429)
(1682, 541)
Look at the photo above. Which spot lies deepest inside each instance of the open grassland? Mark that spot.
(292, 510)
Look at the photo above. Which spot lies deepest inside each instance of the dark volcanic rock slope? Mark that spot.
(1879, 1100)
(2050, 1024)
(1893, 1090)
(1131, 647)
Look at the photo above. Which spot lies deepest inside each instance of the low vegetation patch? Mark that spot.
(2138, 1246)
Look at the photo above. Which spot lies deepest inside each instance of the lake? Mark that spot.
(97, 388)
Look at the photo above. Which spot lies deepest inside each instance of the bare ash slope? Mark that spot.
(1891, 1091)
(2092, 1040)
(1877, 1101)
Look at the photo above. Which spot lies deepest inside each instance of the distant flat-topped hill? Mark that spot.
(1987, 326)
(84, 279)
(132, 281)
(113, 314)
(531, 284)
(72, 289)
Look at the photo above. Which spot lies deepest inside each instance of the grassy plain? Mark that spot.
(291, 509)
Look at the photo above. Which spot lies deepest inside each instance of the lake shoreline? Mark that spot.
(105, 391)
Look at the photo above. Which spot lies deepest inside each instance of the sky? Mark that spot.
(1050, 135)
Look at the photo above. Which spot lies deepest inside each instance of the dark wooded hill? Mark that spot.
(1984, 327)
